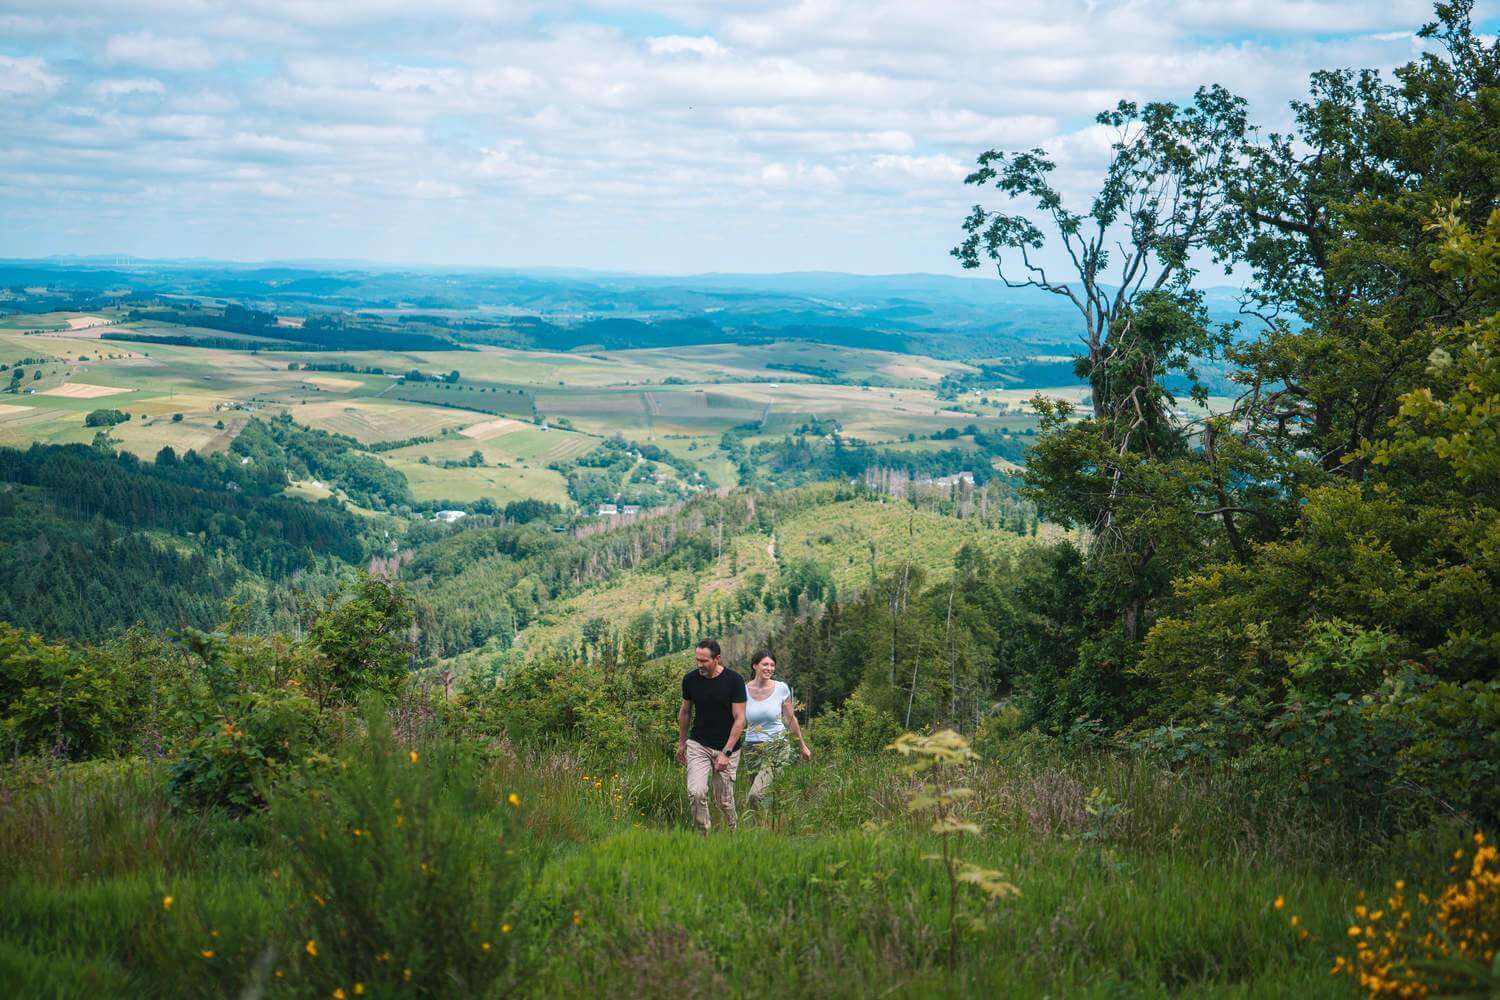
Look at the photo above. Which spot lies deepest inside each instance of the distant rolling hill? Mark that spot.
(938, 315)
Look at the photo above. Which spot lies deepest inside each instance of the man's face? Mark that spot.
(705, 661)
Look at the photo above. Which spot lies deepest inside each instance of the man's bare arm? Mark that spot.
(738, 708)
(684, 716)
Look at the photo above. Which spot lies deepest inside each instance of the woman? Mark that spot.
(768, 716)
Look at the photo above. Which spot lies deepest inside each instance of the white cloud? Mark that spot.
(802, 176)
(840, 126)
(939, 167)
(26, 77)
(106, 90)
(666, 45)
(152, 51)
(436, 189)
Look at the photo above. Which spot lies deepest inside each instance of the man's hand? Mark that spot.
(721, 761)
(682, 753)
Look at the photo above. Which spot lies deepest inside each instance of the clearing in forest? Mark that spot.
(83, 390)
(492, 428)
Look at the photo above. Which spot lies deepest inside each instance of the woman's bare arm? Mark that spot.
(790, 718)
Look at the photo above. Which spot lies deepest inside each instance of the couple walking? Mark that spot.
(722, 708)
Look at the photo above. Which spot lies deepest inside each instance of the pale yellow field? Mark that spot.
(179, 403)
(1006, 465)
(11, 409)
(369, 421)
(145, 440)
(83, 390)
(307, 489)
(913, 370)
(493, 428)
(329, 382)
(86, 322)
(1077, 395)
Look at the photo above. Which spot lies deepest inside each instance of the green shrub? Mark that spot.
(58, 700)
(411, 870)
(233, 761)
(857, 728)
(362, 634)
(607, 712)
(105, 418)
(997, 729)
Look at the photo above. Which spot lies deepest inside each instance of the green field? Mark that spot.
(583, 397)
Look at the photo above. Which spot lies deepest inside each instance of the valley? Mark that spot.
(511, 418)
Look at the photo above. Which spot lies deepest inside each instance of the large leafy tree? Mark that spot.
(1363, 640)
(1335, 232)
(1163, 203)
(1128, 472)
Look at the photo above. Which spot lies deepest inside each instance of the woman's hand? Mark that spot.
(806, 753)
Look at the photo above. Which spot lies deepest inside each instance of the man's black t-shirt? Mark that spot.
(712, 716)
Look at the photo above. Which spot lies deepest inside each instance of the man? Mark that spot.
(713, 700)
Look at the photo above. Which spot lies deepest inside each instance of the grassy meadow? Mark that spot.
(592, 884)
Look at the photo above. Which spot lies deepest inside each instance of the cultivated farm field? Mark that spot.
(494, 408)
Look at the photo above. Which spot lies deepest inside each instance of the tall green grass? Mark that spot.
(607, 892)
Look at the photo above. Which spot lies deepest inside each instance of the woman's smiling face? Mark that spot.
(764, 668)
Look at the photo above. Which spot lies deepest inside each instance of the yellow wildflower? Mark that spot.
(505, 928)
(413, 755)
(1280, 902)
(485, 947)
(207, 953)
(577, 918)
(338, 993)
(166, 902)
(312, 947)
(513, 799)
(359, 989)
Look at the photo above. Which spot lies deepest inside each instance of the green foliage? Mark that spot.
(105, 418)
(1305, 585)
(54, 699)
(299, 452)
(856, 729)
(92, 542)
(411, 870)
(236, 758)
(363, 635)
(933, 757)
(609, 711)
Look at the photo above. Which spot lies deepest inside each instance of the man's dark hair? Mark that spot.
(761, 654)
(712, 645)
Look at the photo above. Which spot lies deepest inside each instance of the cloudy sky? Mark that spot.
(681, 136)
